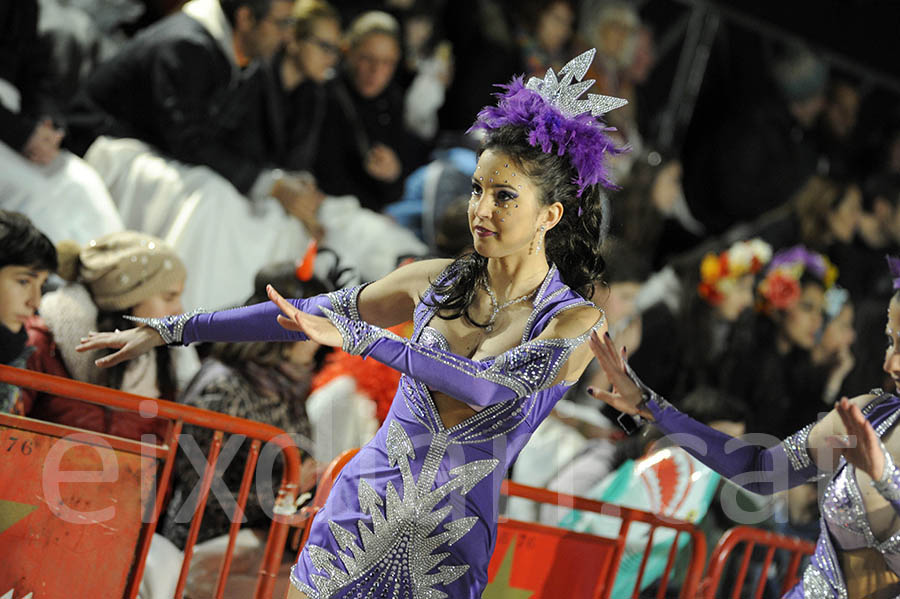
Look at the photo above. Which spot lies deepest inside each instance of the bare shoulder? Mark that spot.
(391, 299)
(416, 277)
(575, 322)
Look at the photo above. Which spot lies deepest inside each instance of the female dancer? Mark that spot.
(858, 551)
(499, 338)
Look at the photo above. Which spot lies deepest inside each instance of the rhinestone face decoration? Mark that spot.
(560, 91)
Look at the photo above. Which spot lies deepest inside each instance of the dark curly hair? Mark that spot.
(573, 244)
(23, 244)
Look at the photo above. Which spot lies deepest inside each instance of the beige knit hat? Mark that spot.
(121, 269)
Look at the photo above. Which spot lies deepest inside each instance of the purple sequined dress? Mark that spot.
(414, 514)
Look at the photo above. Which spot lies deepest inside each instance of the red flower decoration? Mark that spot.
(782, 290)
(709, 292)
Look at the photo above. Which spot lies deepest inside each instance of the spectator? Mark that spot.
(429, 65)
(759, 158)
(836, 128)
(303, 66)
(654, 217)
(545, 42)
(716, 293)
(823, 215)
(768, 363)
(26, 259)
(121, 274)
(189, 85)
(265, 382)
(834, 348)
(188, 127)
(36, 176)
(368, 151)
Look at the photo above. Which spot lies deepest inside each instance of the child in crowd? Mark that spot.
(27, 257)
(117, 275)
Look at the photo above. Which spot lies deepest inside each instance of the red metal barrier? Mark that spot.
(554, 562)
(613, 549)
(753, 537)
(44, 433)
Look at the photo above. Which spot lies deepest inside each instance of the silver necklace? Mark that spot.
(496, 306)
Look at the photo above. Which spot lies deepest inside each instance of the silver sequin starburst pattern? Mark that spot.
(397, 558)
(560, 91)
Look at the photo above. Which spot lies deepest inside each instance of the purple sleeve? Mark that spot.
(249, 323)
(753, 467)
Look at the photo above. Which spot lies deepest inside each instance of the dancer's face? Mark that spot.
(505, 211)
(165, 303)
(892, 353)
(20, 294)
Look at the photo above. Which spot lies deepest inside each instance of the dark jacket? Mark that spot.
(23, 63)
(174, 87)
(303, 109)
(354, 125)
(749, 166)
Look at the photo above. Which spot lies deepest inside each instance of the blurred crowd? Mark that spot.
(182, 155)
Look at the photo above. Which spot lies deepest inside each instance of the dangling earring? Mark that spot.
(540, 239)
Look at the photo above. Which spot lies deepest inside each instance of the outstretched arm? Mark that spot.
(753, 467)
(386, 302)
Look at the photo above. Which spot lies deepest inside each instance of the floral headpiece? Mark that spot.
(742, 258)
(558, 120)
(781, 286)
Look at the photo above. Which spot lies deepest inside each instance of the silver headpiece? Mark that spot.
(559, 91)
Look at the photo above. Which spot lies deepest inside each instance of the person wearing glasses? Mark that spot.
(370, 151)
(306, 62)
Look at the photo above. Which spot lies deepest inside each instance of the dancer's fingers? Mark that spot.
(286, 307)
(112, 359)
(95, 340)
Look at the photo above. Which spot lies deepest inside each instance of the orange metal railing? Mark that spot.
(180, 415)
(753, 537)
(628, 516)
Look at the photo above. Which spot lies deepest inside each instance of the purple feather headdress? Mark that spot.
(558, 121)
(894, 267)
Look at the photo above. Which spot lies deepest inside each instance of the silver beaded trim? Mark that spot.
(346, 301)
(797, 449)
(889, 483)
(170, 328)
(816, 584)
(357, 335)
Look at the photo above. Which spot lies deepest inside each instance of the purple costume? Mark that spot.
(844, 524)
(414, 513)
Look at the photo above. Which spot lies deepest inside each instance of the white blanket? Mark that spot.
(223, 237)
